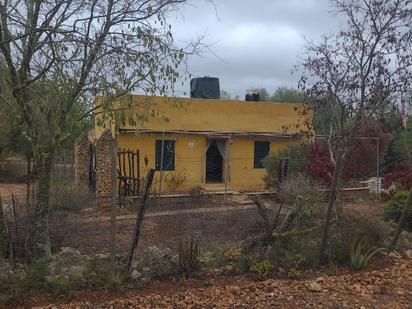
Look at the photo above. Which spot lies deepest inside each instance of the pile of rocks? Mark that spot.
(154, 262)
(68, 262)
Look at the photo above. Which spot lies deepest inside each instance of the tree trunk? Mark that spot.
(4, 235)
(406, 207)
(331, 203)
(28, 181)
(41, 208)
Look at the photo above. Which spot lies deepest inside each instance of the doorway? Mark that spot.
(214, 164)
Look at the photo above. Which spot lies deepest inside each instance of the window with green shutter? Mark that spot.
(168, 155)
(261, 151)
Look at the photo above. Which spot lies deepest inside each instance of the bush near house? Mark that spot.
(400, 177)
(393, 208)
(319, 165)
(297, 156)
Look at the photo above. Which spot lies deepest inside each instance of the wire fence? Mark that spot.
(199, 197)
(212, 220)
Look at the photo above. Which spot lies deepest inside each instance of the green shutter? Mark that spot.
(168, 155)
(261, 151)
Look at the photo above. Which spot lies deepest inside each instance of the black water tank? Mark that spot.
(205, 88)
(252, 96)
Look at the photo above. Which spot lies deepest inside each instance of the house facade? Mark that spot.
(198, 143)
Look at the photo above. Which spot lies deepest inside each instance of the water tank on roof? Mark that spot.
(205, 88)
(252, 96)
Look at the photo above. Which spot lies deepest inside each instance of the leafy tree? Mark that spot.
(225, 95)
(59, 54)
(355, 72)
(361, 158)
(285, 94)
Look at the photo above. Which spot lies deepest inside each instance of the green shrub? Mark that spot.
(299, 185)
(64, 287)
(294, 273)
(221, 255)
(360, 254)
(261, 269)
(188, 256)
(297, 163)
(67, 196)
(159, 262)
(393, 208)
(350, 226)
(35, 276)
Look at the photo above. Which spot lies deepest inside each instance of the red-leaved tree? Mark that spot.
(319, 165)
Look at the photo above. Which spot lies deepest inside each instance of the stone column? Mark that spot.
(81, 161)
(105, 170)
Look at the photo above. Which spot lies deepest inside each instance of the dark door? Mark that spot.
(214, 164)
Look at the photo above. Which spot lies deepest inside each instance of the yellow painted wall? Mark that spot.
(243, 175)
(190, 162)
(159, 113)
(200, 115)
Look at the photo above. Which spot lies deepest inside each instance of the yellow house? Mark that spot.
(212, 144)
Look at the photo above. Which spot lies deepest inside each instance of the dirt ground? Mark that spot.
(389, 286)
(7, 189)
(211, 221)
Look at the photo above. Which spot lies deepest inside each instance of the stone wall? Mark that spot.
(81, 161)
(105, 170)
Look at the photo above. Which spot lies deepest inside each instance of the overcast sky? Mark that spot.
(257, 42)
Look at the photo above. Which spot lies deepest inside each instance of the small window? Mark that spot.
(168, 155)
(261, 152)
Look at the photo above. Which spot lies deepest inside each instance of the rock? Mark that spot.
(157, 261)
(49, 278)
(234, 289)
(315, 287)
(405, 240)
(88, 210)
(395, 255)
(408, 253)
(102, 256)
(357, 287)
(68, 261)
(146, 270)
(135, 275)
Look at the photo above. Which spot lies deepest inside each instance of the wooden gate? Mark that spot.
(128, 173)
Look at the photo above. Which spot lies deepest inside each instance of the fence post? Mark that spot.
(227, 166)
(139, 218)
(28, 180)
(4, 234)
(113, 211)
(161, 169)
(377, 166)
(81, 161)
(106, 162)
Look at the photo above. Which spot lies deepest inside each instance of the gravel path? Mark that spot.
(390, 287)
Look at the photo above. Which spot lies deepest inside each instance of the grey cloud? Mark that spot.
(259, 41)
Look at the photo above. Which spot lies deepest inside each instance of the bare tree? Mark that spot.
(58, 54)
(361, 69)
